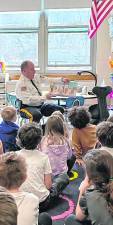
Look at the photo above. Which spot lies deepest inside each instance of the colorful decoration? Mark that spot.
(75, 175)
(66, 213)
(110, 95)
(111, 62)
(2, 67)
(111, 76)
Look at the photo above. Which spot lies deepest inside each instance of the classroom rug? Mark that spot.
(66, 204)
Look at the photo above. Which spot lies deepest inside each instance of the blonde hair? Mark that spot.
(54, 125)
(58, 113)
(8, 113)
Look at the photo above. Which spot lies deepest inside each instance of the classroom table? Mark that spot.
(62, 97)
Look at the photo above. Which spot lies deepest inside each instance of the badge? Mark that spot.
(23, 88)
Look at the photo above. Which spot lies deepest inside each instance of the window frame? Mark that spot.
(19, 30)
(71, 69)
(42, 31)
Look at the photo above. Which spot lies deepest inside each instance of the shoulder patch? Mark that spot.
(24, 88)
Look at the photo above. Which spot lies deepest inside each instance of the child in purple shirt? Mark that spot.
(56, 146)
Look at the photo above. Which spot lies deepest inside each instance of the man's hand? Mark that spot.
(49, 95)
(43, 98)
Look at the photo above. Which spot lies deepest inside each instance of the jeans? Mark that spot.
(43, 110)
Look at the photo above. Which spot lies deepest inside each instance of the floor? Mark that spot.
(66, 204)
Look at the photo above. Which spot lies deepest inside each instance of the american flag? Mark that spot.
(99, 11)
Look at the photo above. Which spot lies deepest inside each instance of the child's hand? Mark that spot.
(84, 185)
(80, 162)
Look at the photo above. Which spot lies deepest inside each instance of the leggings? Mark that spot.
(44, 219)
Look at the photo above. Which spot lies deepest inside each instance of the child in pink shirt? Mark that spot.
(56, 146)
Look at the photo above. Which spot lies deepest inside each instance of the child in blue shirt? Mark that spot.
(8, 129)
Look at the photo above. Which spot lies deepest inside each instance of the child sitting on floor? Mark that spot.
(95, 204)
(8, 208)
(39, 171)
(56, 146)
(13, 173)
(105, 136)
(58, 113)
(84, 134)
(8, 129)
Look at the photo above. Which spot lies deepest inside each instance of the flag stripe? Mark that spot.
(103, 17)
(99, 12)
(104, 7)
(103, 4)
(104, 12)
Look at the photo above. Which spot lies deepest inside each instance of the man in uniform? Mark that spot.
(29, 92)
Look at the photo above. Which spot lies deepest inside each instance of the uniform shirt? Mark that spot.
(83, 140)
(38, 165)
(27, 93)
(28, 208)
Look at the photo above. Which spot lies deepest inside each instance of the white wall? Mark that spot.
(21, 5)
(103, 53)
(67, 3)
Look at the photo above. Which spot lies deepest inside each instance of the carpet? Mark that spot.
(66, 204)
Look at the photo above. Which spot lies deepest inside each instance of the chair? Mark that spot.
(99, 112)
(74, 101)
(24, 115)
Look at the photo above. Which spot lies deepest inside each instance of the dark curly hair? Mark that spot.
(99, 168)
(79, 117)
(105, 133)
(29, 136)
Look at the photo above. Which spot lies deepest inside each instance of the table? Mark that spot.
(59, 97)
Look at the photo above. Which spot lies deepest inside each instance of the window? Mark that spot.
(68, 42)
(55, 40)
(19, 37)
